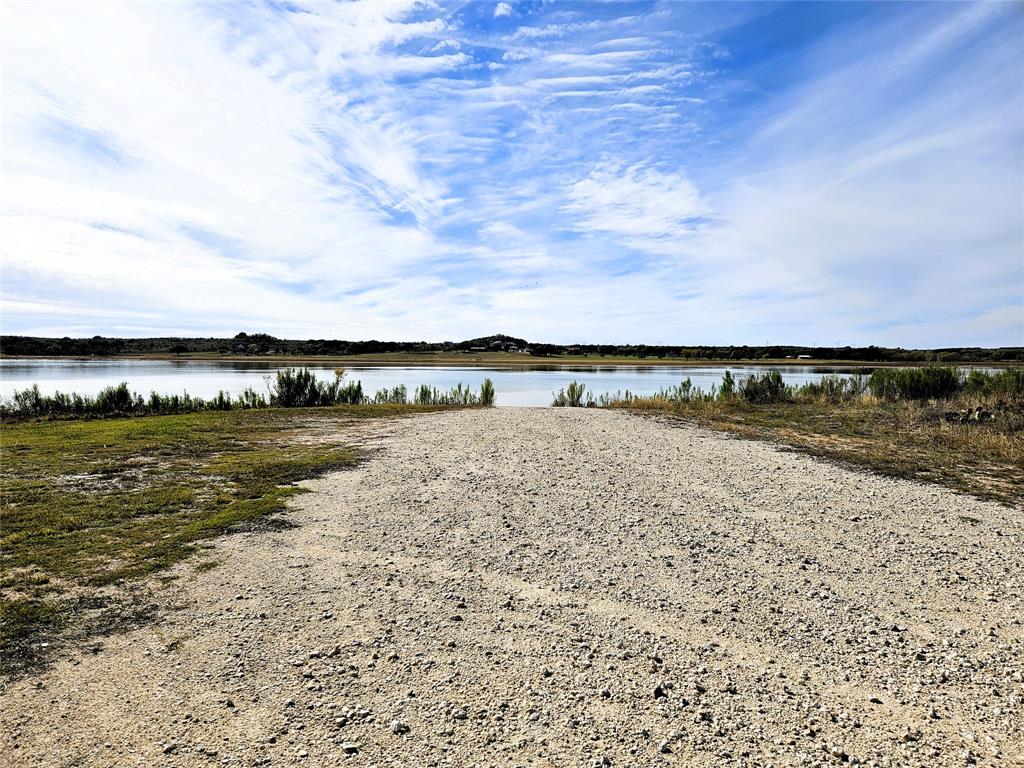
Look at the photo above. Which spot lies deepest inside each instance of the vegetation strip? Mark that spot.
(289, 388)
(93, 503)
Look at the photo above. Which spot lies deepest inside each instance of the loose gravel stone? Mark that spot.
(741, 605)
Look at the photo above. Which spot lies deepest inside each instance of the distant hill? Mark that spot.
(264, 344)
(500, 343)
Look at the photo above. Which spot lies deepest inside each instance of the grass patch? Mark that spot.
(907, 439)
(89, 504)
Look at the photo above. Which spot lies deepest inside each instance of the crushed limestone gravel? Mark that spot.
(568, 587)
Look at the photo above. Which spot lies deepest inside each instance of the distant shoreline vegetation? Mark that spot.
(288, 388)
(939, 383)
(261, 344)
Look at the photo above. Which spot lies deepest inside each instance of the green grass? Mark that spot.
(87, 504)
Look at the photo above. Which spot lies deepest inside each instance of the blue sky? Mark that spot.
(833, 173)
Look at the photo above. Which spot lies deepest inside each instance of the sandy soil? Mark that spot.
(526, 587)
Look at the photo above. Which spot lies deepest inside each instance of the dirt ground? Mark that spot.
(567, 587)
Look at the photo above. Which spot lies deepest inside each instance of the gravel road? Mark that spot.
(548, 587)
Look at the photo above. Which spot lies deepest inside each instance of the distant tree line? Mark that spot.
(264, 344)
(871, 354)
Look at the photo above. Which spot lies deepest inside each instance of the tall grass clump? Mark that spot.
(395, 396)
(948, 385)
(250, 398)
(119, 399)
(571, 396)
(458, 395)
(612, 399)
(487, 396)
(684, 392)
(833, 389)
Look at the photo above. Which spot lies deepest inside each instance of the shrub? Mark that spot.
(1007, 383)
(728, 390)
(250, 398)
(299, 387)
(350, 394)
(118, 399)
(295, 387)
(28, 401)
(932, 383)
(222, 402)
(767, 387)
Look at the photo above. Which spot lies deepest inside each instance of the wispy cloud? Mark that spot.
(412, 169)
(637, 202)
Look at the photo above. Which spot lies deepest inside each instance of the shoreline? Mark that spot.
(502, 360)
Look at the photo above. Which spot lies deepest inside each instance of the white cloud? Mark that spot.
(638, 202)
(503, 9)
(361, 169)
(606, 60)
(286, 184)
(564, 29)
(502, 230)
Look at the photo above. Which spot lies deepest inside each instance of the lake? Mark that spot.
(530, 385)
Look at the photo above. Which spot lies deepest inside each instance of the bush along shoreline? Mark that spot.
(888, 385)
(288, 388)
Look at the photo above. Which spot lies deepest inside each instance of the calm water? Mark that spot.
(520, 386)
